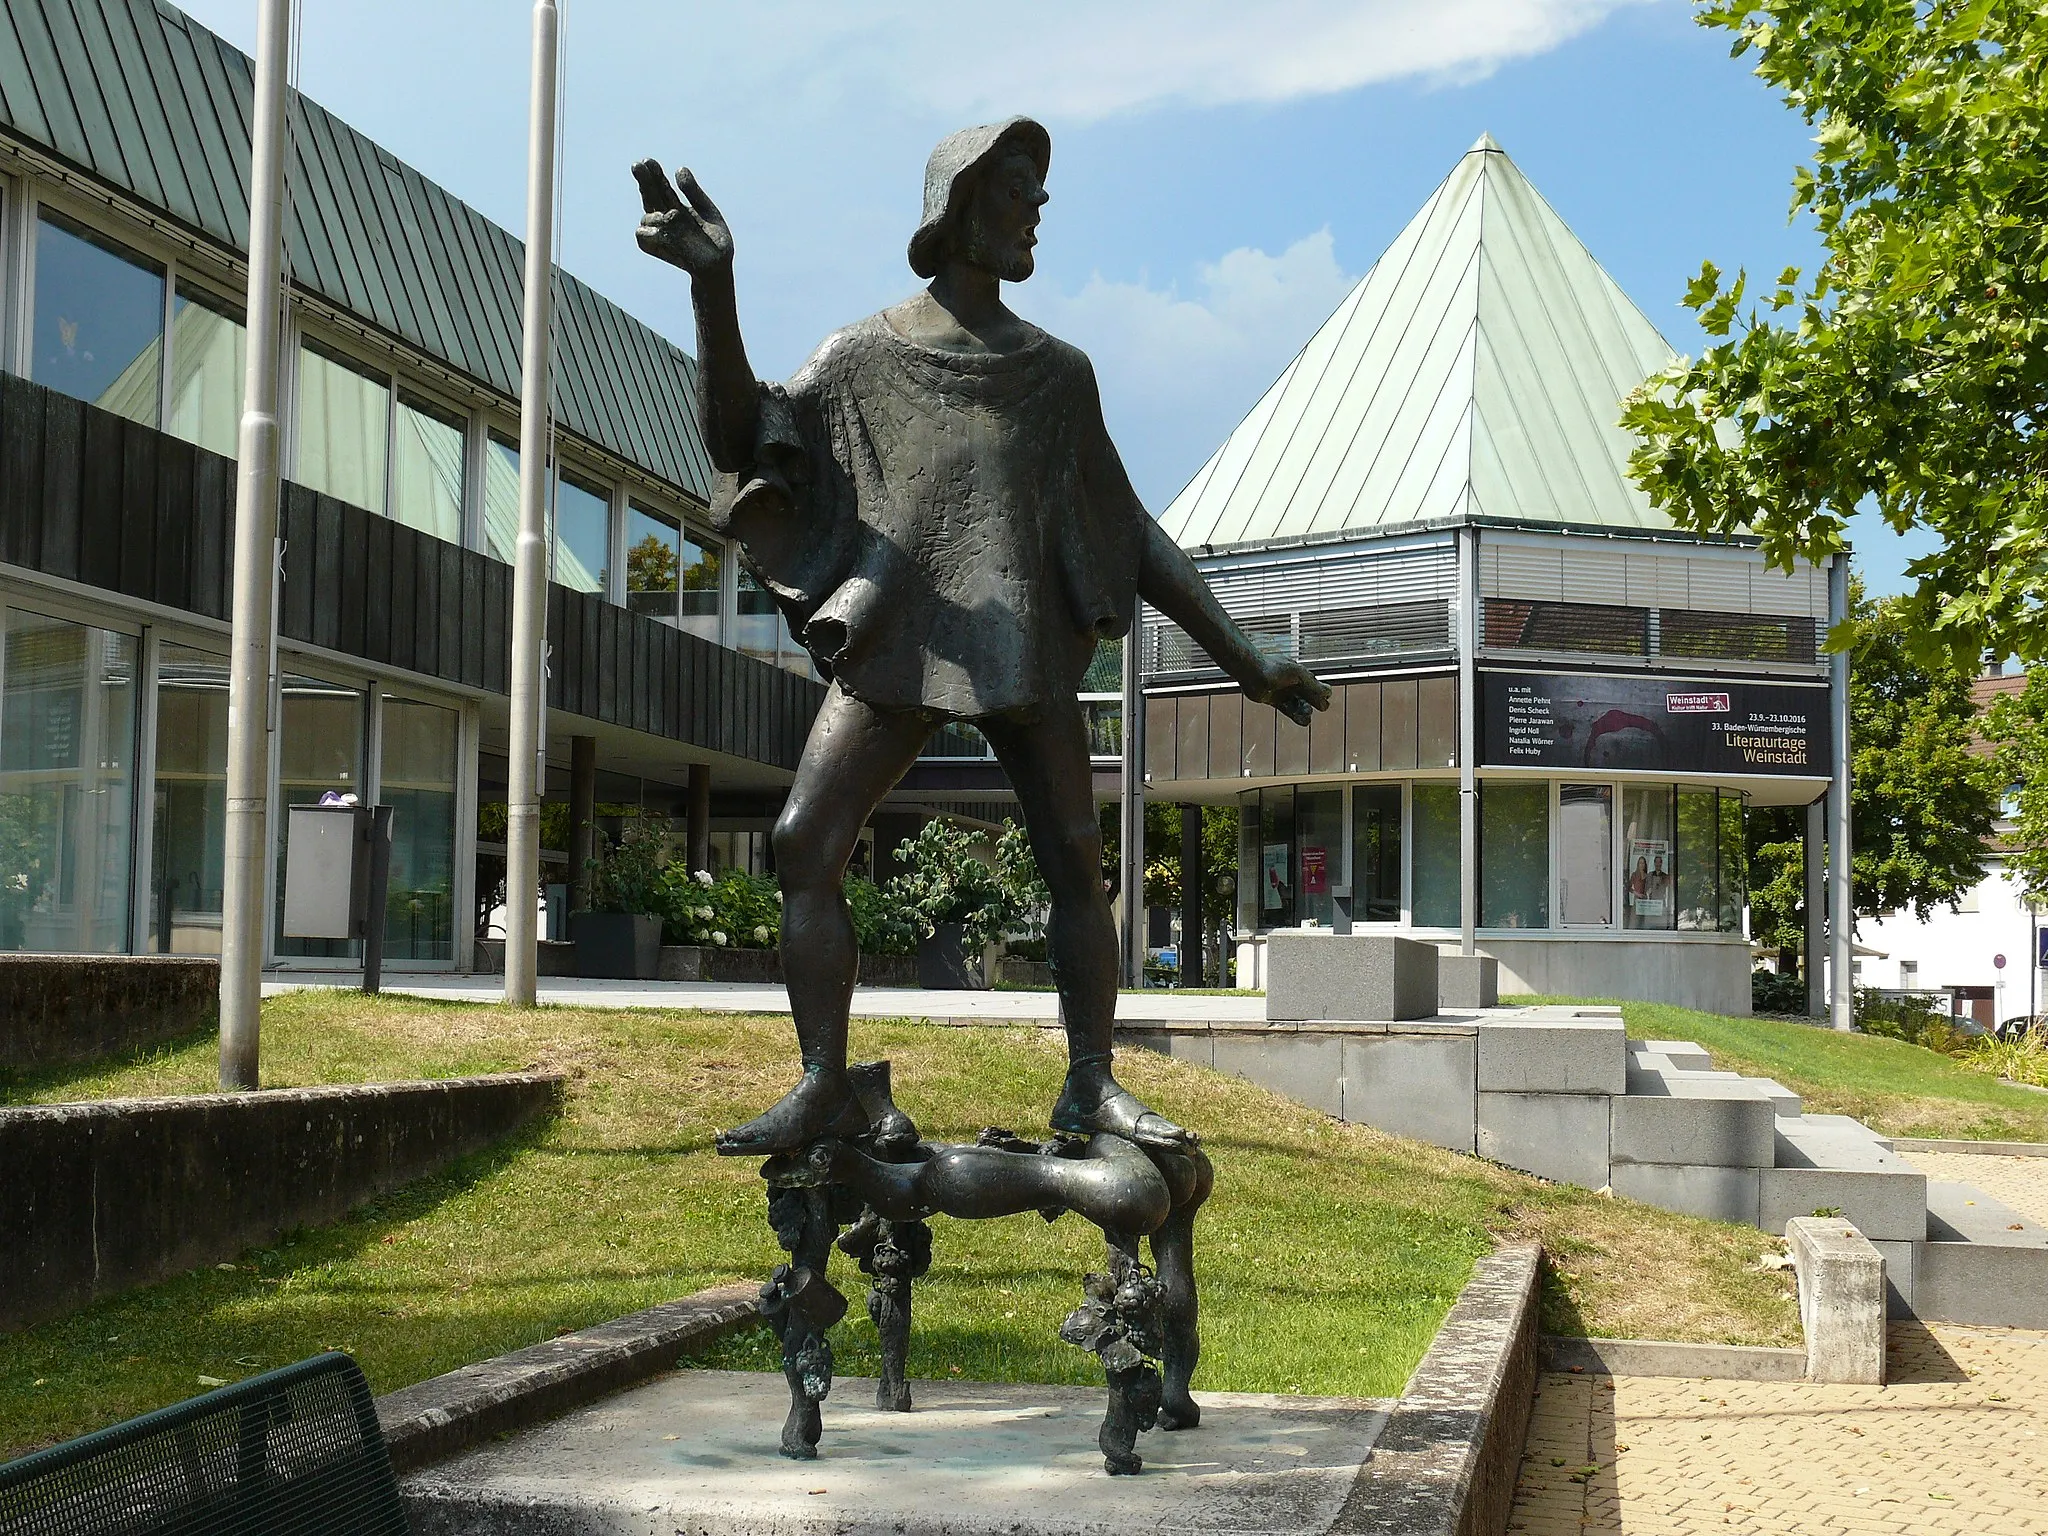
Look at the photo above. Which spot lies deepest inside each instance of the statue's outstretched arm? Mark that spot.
(1169, 580)
(693, 235)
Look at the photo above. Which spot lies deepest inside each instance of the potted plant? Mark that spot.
(957, 900)
(619, 935)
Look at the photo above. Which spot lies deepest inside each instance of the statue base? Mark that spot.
(869, 1195)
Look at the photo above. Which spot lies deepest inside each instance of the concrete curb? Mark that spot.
(1446, 1463)
(1658, 1357)
(450, 1413)
(1980, 1148)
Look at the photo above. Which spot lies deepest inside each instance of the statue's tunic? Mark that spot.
(947, 532)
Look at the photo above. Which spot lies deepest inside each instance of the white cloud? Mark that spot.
(1079, 60)
(1179, 369)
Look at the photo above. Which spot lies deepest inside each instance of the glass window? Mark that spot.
(501, 498)
(1698, 859)
(1734, 885)
(583, 534)
(1648, 857)
(763, 632)
(344, 416)
(320, 748)
(1585, 855)
(654, 562)
(1319, 832)
(1276, 858)
(1439, 888)
(418, 783)
(209, 359)
(700, 602)
(1514, 855)
(1376, 853)
(67, 743)
(99, 320)
(190, 845)
(428, 467)
(1105, 719)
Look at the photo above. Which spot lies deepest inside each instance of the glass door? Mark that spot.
(190, 843)
(1585, 862)
(1376, 853)
(320, 748)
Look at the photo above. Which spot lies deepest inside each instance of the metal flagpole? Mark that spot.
(526, 776)
(253, 641)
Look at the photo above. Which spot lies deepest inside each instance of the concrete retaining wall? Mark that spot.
(66, 1008)
(100, 1198)
(1707, 974)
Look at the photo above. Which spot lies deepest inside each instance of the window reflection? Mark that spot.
(583, 527)
(344, 416)
(67, 740)
(1376, 853)
(654, 562)
(190, 844)
(1438, 885)
(1649, 849)
(99, 320)
(320, 748)
(1514, 854)
(763, 632)
(418, 783)
(501, 498)
(209, 359)
(427, 472)
(699, 601)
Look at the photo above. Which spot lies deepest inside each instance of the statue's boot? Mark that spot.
(892, 1130)
(1095, 1104)
(822, 1103)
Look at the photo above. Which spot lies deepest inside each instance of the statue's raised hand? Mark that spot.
(689, 235)
(1293, 690)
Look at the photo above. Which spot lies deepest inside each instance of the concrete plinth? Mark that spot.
(1841, 1300)
(1586, 1052)
(1467, 981)
(1350, 977)
(1413, 1085)
(1561, 1136)
(695, 1451)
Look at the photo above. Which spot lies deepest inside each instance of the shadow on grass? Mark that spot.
(20, 1086)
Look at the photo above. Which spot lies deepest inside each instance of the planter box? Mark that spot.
(944, 965)
(1024, 973)
(621, 945)
(697, 962)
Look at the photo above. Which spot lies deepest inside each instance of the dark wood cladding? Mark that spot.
(93, 498)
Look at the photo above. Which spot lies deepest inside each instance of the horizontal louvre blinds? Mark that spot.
(1717, 586)
(1804, 592)
(1325, 606)
(1593, 576)
(1522, 570)
(1657, 581)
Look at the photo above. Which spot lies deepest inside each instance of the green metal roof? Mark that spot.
(1476, 373)
(140, 96)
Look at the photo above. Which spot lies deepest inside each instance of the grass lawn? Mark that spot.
(1327, 1256)
(1900, 1089)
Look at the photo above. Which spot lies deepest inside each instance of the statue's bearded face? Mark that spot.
(998, 226)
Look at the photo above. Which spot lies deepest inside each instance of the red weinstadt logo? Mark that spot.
(1696, 703)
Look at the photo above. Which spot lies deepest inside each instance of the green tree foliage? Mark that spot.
(1921, 799)
(1162, 855)
(652, 565)
(2019, 724)
(1910, 369)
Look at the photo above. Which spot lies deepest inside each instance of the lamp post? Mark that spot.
(252, 646)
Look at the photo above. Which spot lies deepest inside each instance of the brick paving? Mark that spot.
(2021, 1182)
(1958, 1443)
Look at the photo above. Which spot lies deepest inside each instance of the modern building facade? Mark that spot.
(1538, 679)
(672, 681)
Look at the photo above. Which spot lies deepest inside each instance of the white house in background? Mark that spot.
(1958, 952)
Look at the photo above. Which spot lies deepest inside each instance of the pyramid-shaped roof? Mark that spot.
(1476, 373)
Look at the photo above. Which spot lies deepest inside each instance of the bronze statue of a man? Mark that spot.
(937, 507)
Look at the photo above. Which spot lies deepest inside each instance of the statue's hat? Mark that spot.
(952, 165)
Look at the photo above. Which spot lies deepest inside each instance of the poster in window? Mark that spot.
(1315, 871)
(1649, 876)
(1274, 881)
(1666, 725)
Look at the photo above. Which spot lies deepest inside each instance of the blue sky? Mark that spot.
(1221, 173)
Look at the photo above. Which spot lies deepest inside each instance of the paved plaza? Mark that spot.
(1958, 1443)
(1163, 1004)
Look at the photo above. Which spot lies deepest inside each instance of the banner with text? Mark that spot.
(1665, 725)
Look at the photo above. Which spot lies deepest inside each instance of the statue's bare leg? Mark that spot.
(854, 756)
(1173, 1256)
(1048, 765)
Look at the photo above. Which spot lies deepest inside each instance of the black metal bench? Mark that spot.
(294, 1451)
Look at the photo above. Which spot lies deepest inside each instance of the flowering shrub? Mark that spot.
(734, 910)
(882, 923)
(632, 874)
(948, 882)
